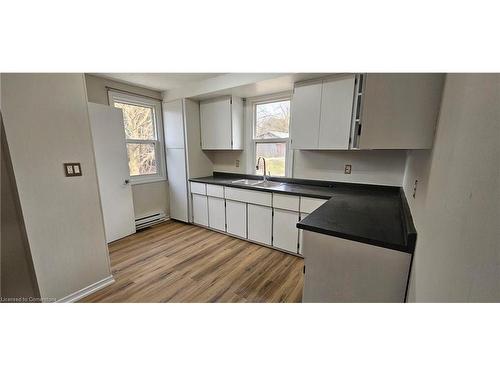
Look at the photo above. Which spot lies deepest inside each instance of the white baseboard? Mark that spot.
(73, 297)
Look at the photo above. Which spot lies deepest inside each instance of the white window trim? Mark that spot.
(289, 153)
(159, 143)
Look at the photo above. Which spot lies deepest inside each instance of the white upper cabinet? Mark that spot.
(322, 114)
(336, 113)
(221, 122)
(399, 111)
(391, 111)
(305, 116)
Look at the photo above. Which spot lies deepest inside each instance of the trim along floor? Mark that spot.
(177, 262)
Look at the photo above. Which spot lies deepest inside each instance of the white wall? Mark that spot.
(457, 205)
(149, 197)
(46, 124)
(384, 167)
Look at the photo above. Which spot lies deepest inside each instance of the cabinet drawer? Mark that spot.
(198, 188)
(308, 205)
(286, 202)
(248, 196)
(215, 191)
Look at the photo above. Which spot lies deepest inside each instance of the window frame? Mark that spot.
(288, 153)
(159, 142)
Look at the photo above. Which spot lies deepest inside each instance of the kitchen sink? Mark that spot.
(268, 184)
(246, 182)
(257, 183)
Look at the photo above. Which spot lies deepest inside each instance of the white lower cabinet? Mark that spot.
(236, 218)
(200, 209)
(265, 218)
(285, 232)
(216, 213)
(260, 223)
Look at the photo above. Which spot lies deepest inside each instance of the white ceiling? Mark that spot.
(158, 81)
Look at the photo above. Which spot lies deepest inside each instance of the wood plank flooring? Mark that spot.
(177, 262)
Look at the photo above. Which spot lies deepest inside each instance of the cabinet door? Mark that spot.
(215, 122)
(174, 124)
(336, 113)
(236, 218)
(400, 111)
(285, 232)
(200, 209)
(305, 115)
(177, 186)
(216, 213)
(260, 223)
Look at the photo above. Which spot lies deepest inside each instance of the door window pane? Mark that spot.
(141, 158)
(274, 153)
(138, 121)
(272, 120)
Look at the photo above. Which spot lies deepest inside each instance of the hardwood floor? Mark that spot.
(177, 262)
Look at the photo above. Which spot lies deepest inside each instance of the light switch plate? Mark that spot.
(72, 169)
(347, 169)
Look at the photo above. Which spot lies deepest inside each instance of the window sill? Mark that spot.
(146, 180)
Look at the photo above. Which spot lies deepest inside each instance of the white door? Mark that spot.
(216, 213)
(215, 120)
(177, 183)
(285, 232)
(200, 209)
(236, 218)
(260, 223)
(336, 113)
(305, 115)
(108, 134)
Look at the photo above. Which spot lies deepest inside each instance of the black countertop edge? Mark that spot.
(408, 227)
(350, 237)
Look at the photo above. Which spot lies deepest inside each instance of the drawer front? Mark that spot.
(308, 205)
(215, 191)
(198, 188)
(248, 196)
(286, 202)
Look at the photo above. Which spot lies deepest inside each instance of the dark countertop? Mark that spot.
(373, 214)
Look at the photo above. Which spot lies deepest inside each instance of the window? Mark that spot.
(143, 136)
(271, 135)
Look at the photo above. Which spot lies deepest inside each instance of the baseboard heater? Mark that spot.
(152, 219)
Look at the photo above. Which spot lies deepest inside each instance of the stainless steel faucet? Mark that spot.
(265, 170)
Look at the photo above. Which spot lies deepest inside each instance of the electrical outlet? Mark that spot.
(347, 169)
(237, 163)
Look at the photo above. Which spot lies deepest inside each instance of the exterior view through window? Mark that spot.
(140, 132)
(143, 136)
(271, 135)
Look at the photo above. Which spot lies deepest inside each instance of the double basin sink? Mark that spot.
(257, 183)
